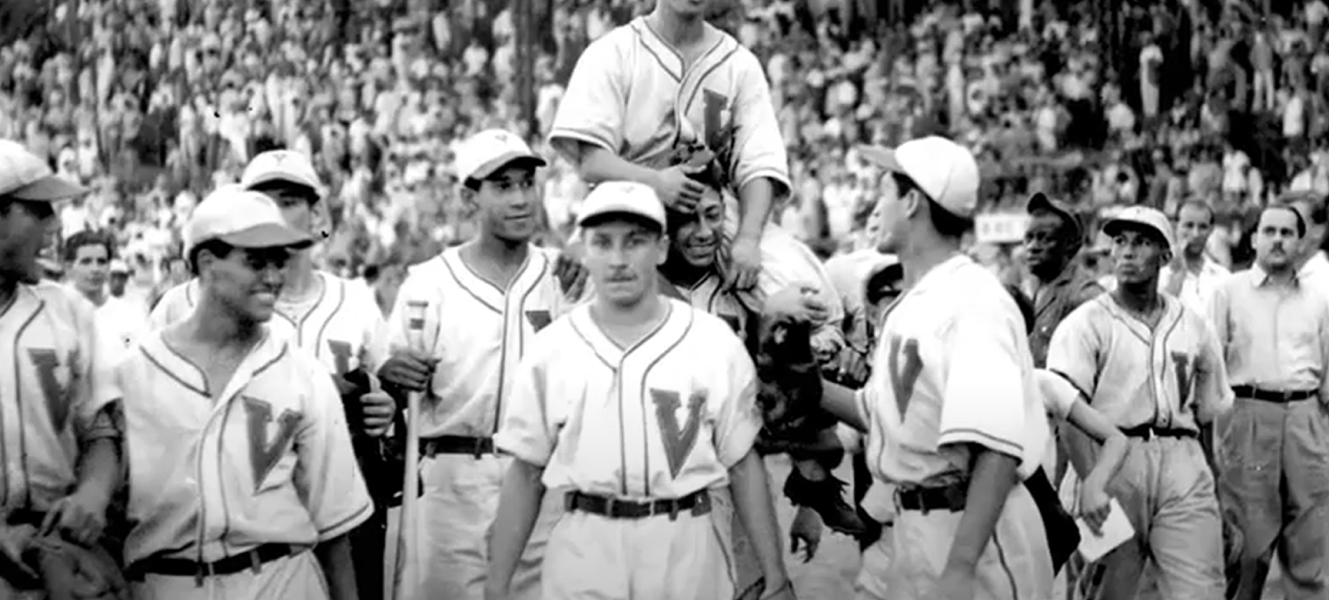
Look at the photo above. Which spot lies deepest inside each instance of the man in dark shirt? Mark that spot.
(1056, 283)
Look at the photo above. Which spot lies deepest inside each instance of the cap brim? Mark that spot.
(51, 188)
(268, 235)
(269, 179)
(1115, 225)
(618, 214)
(883, 158)
(485, 170)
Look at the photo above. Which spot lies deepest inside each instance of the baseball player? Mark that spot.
(950, 412)
(1154, 368)
(337, 321)
(667, 96)
(1274, 331)
(239, 454)
(482, 303)
(656, 409)
(59, 416)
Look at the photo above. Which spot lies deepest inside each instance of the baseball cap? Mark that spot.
(281, 165)
(622, 198)
(942, 169)
(1140, 217)
(25, 176)
(119, 267)
(490, 150)
(1040, 201)
(243, 219)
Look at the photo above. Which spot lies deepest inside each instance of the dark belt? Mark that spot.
(456, 444)
(699, 503)
(1254, 393)
(1149, 432)
(180, 567)
(949, 498)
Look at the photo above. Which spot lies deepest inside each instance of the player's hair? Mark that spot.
(216, 248)
(1301, 221)
(1202, 205)
(88, 238)
(282, 186)
(947, 223)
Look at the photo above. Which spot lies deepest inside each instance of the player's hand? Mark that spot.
(853, 368)
(408, 370)
(805, 532)
(79, 517)
(677, 190)
(798, 301)
(956, 583)
(744, 263)
(378, 409)
(1094, 505)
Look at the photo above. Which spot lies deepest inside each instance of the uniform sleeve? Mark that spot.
(405, 328)
(375, 343)
(1058, 394)
(592, 107)
(738, 420)
(983, 385)
(96, 396)
(327, 475)
(526, 432)
(759, 149)
(1073, 352)
(1213, 394)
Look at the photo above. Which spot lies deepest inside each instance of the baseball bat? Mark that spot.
(406, 575)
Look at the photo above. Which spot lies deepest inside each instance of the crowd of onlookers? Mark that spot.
(154, 102)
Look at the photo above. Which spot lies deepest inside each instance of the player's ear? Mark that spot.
(662, 249)
(469, 201)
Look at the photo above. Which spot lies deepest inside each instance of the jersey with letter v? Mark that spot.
(477, 331)
(952, 369)
(269, 461)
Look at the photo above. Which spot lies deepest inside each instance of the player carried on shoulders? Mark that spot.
(62, 426)
(242, 479)
(634, 410)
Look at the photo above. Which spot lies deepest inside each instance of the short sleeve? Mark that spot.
(738, 420)
(1073, 351)
(591, 111)
(96, 390)
(759, 149)
(1058, 394)
(983, 384)
(525, 431)
(375, 341)
(327, 475)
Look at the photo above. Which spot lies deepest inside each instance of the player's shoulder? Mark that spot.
(61, 300)
(616, 40)
(184, 294)
(427, 273)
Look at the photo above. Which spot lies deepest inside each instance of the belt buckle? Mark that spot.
(1149, 433)
(1286, 395)
(609, 506)
(255, 561)
(479, 447)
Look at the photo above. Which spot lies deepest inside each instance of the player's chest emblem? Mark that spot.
(678, 440)
(53, 379)
(905, 367)
(538, 318)
(342, 354)
(265, 450)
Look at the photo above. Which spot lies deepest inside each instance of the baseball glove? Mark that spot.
(63, 569)
(790, 378)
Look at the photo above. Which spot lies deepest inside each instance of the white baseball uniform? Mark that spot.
(342, 326)
(952, 371)
(55, 394)
(222, 473)
(1160, 385)
(478, 332)
(630, 94)
(663, 419)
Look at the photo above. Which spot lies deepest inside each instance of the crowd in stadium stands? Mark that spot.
(154, 102)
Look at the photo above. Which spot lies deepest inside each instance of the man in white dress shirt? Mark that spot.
(1192, 276)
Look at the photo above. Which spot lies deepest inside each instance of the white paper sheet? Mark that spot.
(1117, 530)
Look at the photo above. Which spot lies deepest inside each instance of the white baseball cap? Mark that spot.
(1141, 217)
(243, 219)
(622, 198)
(25, 176)
(942, 169)
(281, 165)
(484, 153)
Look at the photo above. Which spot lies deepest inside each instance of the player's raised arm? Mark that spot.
(760, 165)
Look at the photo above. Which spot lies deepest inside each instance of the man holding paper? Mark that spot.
(1164, 382)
